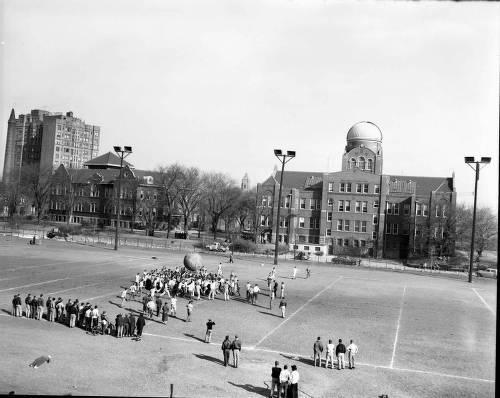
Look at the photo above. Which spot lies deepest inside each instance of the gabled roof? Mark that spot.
(296, 179)
(107, 160)
(106, 176)
(427, 184)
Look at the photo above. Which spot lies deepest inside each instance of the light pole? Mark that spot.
(123, 153)
(470, 161)
(283, 158)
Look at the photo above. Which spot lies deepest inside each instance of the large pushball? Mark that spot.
(192, 261)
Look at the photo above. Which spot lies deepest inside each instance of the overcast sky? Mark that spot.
(220, 84)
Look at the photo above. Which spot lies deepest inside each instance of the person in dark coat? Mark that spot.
(226, 349)
(141, 322)
(159, 305)
(165, 311)
(119, 325)
(131, 322)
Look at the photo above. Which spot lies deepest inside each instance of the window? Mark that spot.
(302, 239)
(364, 207)
(375, 204)
(306, 247)
(362, 163)
(269, 201)
(348, 187)
(395, 229)
(370, 164)
(347, 205)
(346, 242)
(317, 249)
(418, 209)
(329, 216)
(312, 204)
(342, 187)
(363, 226)
(406, 209)
(396, 208)
(437, 211)
(284, 222)
(301, 222)
(93, 207)
(339, 242)
(363, 243)
(374, 235)
(314, 223)
(341, 205)
(443, 210)
(376, 188)
(288, 200)
(330, 202)
(330, 187)
(263, 221)
(328, 232)
(302, 203)
(263, 203)
(359, 188)
(347, 225)
(356, 226)
(435, 232)
(418, 230)
(425, 210)
(352, 163)
(375, 220)
(365, 188)
(355, 243)
(388, 208)
(340, 225)
(357, 209)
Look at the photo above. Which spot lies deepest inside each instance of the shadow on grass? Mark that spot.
(264, 391)
(306, 361)
(194, 337)
(209, 358)
(6, 311)
(271, 314)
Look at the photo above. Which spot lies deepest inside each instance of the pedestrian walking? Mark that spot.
(352, 350)
(283, 308)
(236, 347)
(275, 379)
(340, 353)
(208, 334)
(226, 348)
(318, 349)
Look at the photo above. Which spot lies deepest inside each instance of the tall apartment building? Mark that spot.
(359, 209)
(47, 140)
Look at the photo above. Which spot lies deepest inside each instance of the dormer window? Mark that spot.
(352, 163)
(362, 163)
(369, 164)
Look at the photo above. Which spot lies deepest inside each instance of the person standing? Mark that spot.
(275, 289)
(283, 307)
(284, 380)
(18, 305)
(164, 313)
(330, 347)
(294, 382)
(294, 272)
(73, 311)
(236, 347)
(308, 272)
(119, 326)
(275, 379)
(208, 334)
(27, 301)
(282, 292)
(95, 316)
(124, 297)
(141, 322)
(226, 347)
(318, 349)
(255, 295)
(226, 291)
(340, 353)
(189, 309)
(352, 350)
(173, 305)
(271, 298)
(131, 323)
(159, 305)
(39, 308)
(231, 261)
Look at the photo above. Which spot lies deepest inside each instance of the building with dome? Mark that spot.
(359, 210)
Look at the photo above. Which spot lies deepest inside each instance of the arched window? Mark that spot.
(361, 163)
(352, 163)
(370, 164)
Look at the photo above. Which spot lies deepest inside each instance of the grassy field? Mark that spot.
(419, 336)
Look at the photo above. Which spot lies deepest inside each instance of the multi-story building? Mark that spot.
(359, 209)
(89, 195)
(46, 140)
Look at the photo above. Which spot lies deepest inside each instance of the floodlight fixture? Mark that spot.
(277, 152)
(117, 148)
(290, 154)
(127, 149)
(485, 160)
(469, 159)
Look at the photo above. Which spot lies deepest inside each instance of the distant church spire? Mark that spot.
(245, 183)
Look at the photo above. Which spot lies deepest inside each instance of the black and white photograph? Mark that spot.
(234, 198)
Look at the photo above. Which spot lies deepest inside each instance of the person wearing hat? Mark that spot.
(236, 347)
(208, 334)
(141, 322)
(226, 347)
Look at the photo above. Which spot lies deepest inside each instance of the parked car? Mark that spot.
(302, 256)
(217, 247)
(488, 273)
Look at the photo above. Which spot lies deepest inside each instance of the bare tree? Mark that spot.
(65, 184)
(169, 181)
(190, 193)
(35, 184)
(147, 205)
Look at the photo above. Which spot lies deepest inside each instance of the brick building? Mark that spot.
(89, 195)
(46, 140)
(359, 210)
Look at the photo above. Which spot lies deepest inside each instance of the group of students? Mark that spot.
(284, 381)
(77, 314)
(332, 351)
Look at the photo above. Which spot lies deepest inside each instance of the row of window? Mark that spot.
(347, 242)
(362, 163)
(345, 225)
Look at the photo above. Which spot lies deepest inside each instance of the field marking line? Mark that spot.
(297, 310)
(397, 329)
(441, 374)
(77, 287)
(104, 295)
(170, 337)
(33, 284)
(484, 301)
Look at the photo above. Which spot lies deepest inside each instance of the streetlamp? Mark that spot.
(283, 158)
(123, 153)
(470, 161)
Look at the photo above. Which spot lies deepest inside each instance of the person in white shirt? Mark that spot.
(173, 306)
(255, 294)
(284, 381)
(330, 351)
(352, 350)
(124, 297)
(95, 316)
(133, 289)
(294, 271)
(294, 382)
